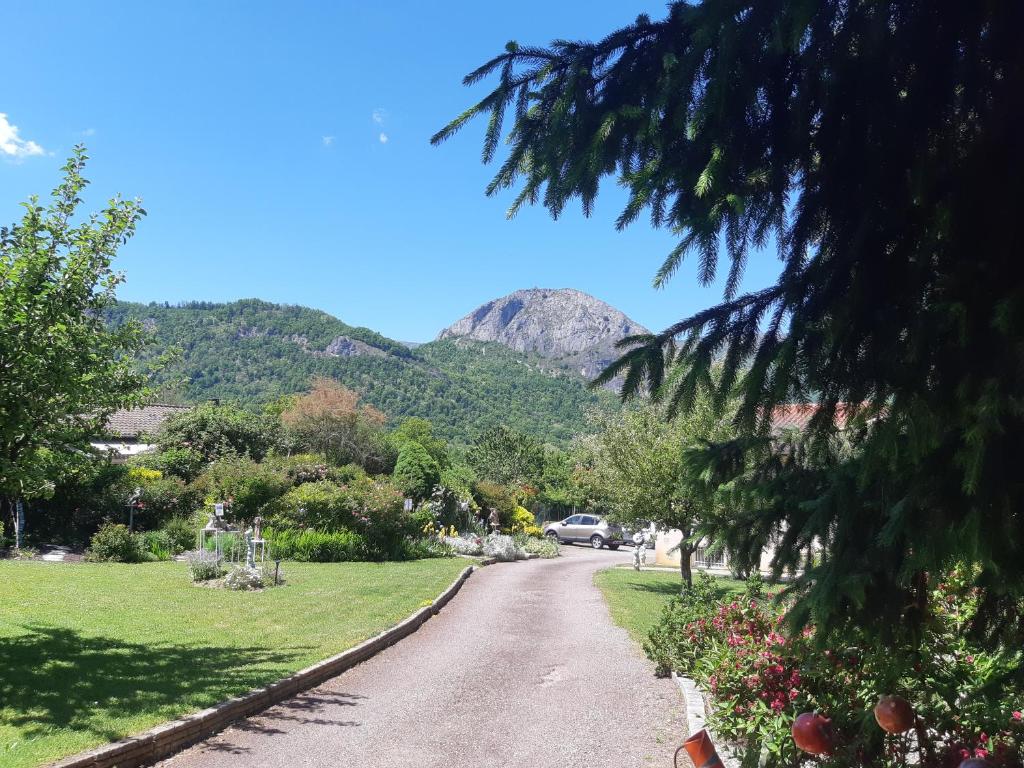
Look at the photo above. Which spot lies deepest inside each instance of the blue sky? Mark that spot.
(282, 152)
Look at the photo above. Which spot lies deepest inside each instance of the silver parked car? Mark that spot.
(585, 528)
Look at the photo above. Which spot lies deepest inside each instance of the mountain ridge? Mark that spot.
(255, 351)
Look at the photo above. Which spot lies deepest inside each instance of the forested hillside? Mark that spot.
(254, 351)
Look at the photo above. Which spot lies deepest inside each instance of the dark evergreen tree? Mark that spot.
(875, 147)
(416, 471)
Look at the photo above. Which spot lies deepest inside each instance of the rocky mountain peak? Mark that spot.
(570, 326)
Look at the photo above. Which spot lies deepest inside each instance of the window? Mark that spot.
(705, 559)
(589, 521)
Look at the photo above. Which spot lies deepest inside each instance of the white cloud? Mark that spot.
(12, 145)
(379, 115)
(383, 138)
(327, 140)
(89, 132)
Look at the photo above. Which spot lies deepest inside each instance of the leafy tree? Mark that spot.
(504, 456)
(214, 430)
(62, 371)
(874, 148)
(331, 420)
(421, 431)
(416, 473)
(559, 490)
(641, 458)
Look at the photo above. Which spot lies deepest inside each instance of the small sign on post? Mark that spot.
(218, 510)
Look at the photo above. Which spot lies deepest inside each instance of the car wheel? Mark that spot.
(613, 547)
(596, 541)
(553, 537)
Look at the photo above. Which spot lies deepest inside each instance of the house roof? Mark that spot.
(131, 423)
(798, 416)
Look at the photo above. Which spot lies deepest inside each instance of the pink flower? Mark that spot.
(1018, 715)
(981, 753)
(970, 659)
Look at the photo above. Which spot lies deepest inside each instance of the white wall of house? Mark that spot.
(716, 564)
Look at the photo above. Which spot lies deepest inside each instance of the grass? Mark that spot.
(90, 653)
(635, 598)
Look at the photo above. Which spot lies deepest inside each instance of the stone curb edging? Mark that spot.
(696, 718)
(168, 738)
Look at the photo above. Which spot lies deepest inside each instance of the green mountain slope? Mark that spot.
(254, 351)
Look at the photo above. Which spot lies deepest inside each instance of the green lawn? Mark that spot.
(94, 652)
(635, 599)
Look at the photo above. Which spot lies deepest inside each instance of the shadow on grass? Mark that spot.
(667, 588)
(56, 678)
(673, 588)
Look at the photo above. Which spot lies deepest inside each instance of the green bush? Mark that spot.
(181, 534)
(114, 543)
(493, 496)
(323, 505)
(542, 546)
(157, 545)
(311, 546)
(177, 461)
(426, 548)
(162, 498)
(218, 431)
(313, 467)
(252, 487)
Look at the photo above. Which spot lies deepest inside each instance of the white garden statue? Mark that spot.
(639, 550)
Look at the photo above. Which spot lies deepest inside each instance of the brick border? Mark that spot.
(166, 739)
(696, 719)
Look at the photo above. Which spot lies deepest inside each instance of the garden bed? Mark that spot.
(93, 652)
(764, 684)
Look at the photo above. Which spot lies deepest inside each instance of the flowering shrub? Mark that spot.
(242, 578)
(502, 547)
(758, 679)
(524, 522)
(467, 544)
(204, 567)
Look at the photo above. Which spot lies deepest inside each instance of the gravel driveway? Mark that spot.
(523, 668)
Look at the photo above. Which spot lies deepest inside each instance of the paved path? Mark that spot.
(523, 668)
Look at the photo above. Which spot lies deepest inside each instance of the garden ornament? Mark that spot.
(494, 519)
(813, 733)
(701, 750)
(640, 550)
(894, 714)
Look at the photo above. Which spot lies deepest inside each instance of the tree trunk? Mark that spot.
(684, 565)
